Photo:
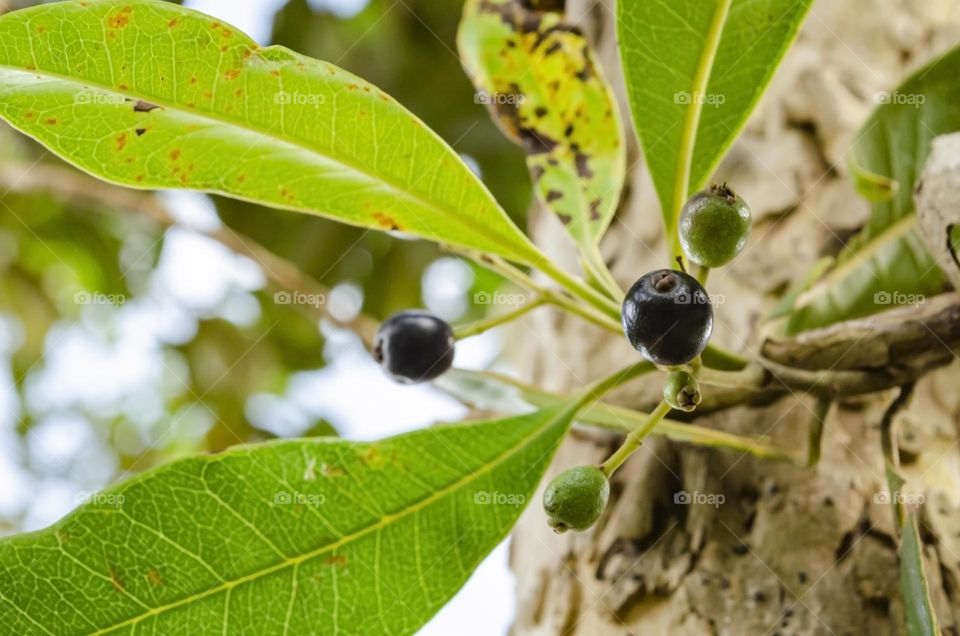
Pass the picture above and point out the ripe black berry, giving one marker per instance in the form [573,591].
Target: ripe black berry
[714,226]
[575,499]
[414,346]
[667,317]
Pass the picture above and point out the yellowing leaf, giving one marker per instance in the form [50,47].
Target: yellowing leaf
[540,79]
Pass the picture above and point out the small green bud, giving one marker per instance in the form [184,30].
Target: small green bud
[714,226]
[681,391]
[576,498]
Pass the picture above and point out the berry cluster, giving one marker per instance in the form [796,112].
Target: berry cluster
[666,316]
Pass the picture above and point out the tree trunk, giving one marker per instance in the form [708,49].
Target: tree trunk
[764,548]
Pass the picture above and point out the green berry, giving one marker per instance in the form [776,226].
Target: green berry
[714,226]
[681,391]
[575,499]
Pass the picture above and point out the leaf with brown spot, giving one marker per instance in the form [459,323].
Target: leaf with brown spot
[545,89]
[334,157]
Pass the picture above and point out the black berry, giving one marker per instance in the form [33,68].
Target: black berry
[575,499]
[414,346]
[667,317]
[714,226]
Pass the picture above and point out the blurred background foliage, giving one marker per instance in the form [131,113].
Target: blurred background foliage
[129,341]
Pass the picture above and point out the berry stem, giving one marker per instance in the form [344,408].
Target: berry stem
[702,274]
[595,267]
[634,439]
[601,318]
[479,326]
[581,290]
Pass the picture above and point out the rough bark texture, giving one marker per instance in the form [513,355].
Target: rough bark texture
[789,550]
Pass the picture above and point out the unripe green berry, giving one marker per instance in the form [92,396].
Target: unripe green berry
[681,391]
[575,498]
[714,226]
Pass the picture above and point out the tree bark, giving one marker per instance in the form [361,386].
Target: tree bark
[763,548]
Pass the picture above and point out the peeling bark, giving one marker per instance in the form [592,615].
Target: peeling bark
[787,550]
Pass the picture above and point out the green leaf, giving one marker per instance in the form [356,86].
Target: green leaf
[694,72]
[540,79]
[887,263]
[297,536]
[921,619]
[150,95]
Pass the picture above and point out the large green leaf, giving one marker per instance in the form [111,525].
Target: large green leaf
[540,79]
[694,71]
[887,263]
[921,619]
[298,537]
[148,94]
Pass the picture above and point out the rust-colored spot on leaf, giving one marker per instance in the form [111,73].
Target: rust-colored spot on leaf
[29,114]
[172,23]
[208,94]
[331,471]
[139,178]
[144,107]
[175,154]
[385,221]
[338,560]
[238,92]
[193,79]
[232,74]
[241,178]
[41,29]
[52,121]
[154,578]
[275,73]
[120,19]
[122,87]
[121,141]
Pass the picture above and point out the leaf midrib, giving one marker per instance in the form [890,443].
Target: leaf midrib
[688,135]
[467,220]
[384,521]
